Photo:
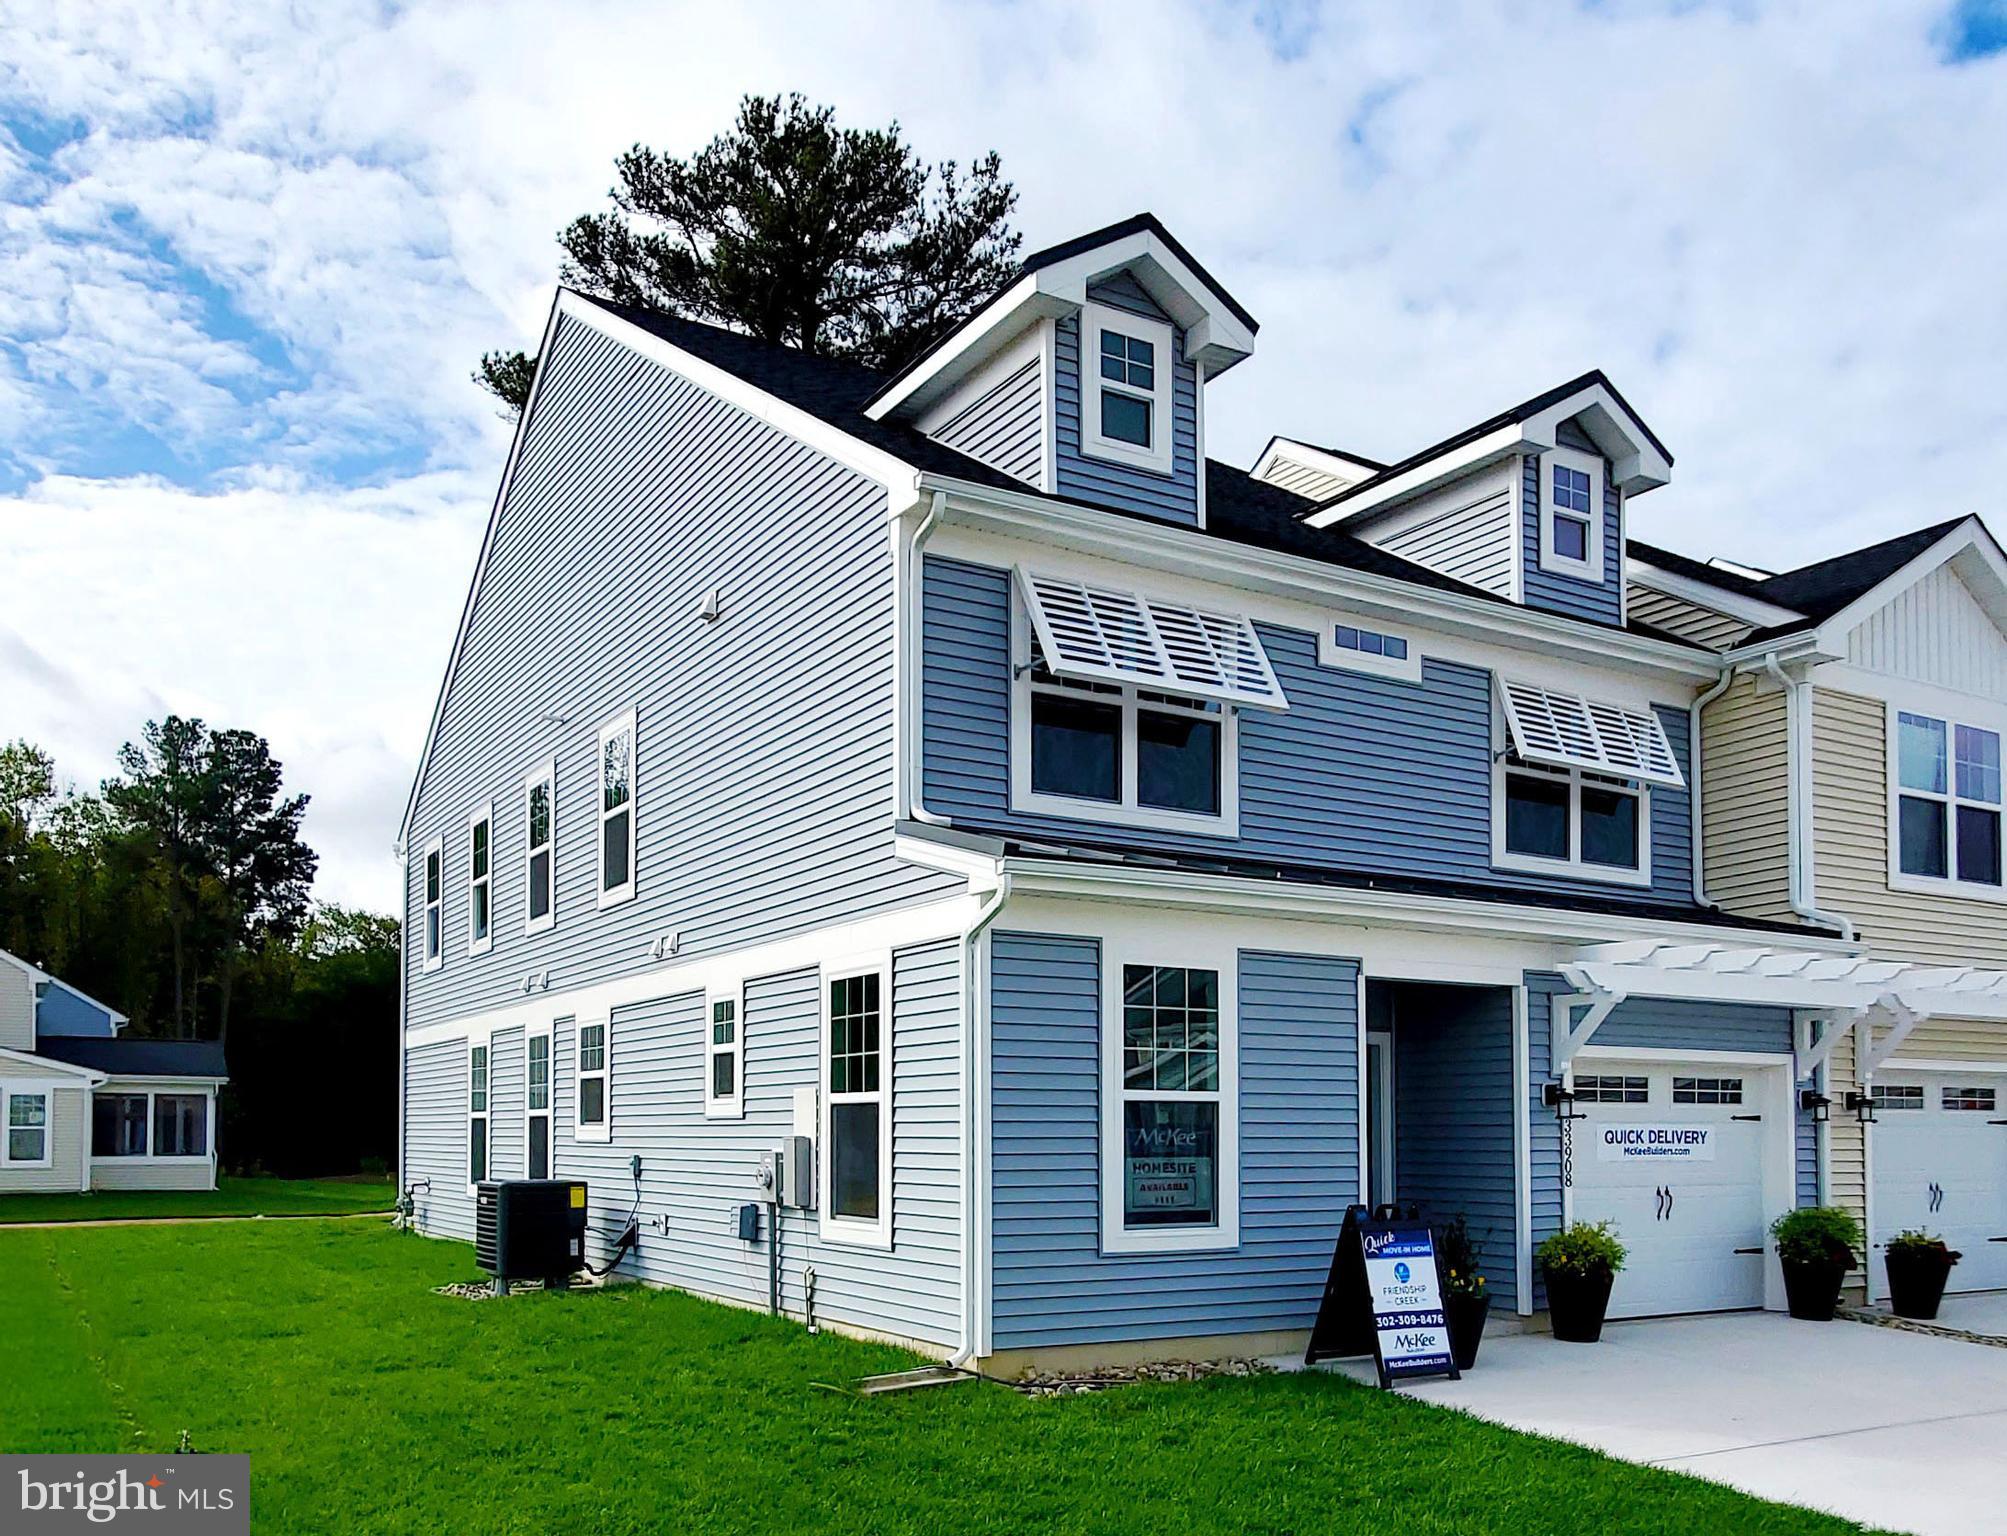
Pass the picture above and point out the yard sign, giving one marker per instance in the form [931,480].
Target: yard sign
[1384,1297]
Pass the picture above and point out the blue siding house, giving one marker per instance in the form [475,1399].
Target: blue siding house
[1113,863]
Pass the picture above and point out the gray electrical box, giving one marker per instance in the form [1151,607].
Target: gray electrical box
[786,1175]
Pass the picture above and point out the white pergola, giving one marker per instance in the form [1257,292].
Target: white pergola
[1848,992]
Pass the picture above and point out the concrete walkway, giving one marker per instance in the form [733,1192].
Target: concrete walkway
[1897,1430]
[1981,1312]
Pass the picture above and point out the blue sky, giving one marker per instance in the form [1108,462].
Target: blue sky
[249,253]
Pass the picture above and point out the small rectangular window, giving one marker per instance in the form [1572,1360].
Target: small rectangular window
[857,1171]
[480,882]
[435,858]
[616,810]
[28,1126]
[1707,1090]
[477,1114]
[1980,1100]
[540,849]
[724,1088]
[591,1097]
[1898,1096]
[537,1127]
[1607,1089]
[180,1125]
[119,1123]
[1358,648]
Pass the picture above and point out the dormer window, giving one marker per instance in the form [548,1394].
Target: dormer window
[1126,388]
[1571,529]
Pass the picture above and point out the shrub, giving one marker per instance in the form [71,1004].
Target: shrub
[1458,1254]
[1819,1234]
[1587,1248]
[1917,1243]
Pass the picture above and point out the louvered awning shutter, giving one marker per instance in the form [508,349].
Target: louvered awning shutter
[1124,637]
[1570,731]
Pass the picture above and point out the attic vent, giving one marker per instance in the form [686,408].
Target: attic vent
[1569,731]
[1122,637]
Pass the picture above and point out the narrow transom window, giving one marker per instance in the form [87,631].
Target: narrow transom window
[1608,1089]
[480,882]
[857,1135]
[1982,1100]
[591,1122]
[724,1092]
[1707,1090]
[1898,1096]
[434,901]
[537,1128]
[1948,805]
[616,810]
[1369,642]
[540,849]
[477,1114]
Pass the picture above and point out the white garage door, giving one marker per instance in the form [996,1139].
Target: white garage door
[1672,1157]
[1940,1156]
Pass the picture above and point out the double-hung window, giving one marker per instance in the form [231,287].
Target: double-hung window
[592,1113]
[480,881]
[26,1127]
[540,848]
[1170,1106]
[477,1113]
[857,1111]
[1571,521]
[616,810]
[537,1123]
[435,859]
[724,1086]
[1947,811]
[1126,374]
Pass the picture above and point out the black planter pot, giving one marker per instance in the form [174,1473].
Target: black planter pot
[1916,1282]
[1465,1316]
[1576,1304]
[1812,1291]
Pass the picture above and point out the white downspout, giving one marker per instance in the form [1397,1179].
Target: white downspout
[1799,787]
[972,1247]
[912,794]
[1696,816]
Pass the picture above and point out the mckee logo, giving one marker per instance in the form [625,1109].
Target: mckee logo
[164,1495]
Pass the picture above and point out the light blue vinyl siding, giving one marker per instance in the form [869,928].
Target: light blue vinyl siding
[764,759]
[697,1172]
[1299,1126]
[1005,427]
[1173,497]
[1601,601]
[1363,773]
[1453,1118]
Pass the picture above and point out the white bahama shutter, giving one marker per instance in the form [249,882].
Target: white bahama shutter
[1124,637]
[1567,730]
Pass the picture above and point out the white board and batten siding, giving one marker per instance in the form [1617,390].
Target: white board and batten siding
[1934,632]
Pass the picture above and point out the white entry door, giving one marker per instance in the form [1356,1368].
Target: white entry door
[1940,1160]
[1672,1157]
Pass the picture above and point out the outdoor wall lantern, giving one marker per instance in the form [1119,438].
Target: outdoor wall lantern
[1820,1106]
[1863,1106]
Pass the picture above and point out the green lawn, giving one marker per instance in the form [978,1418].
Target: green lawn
[369,1404]
[231,1197]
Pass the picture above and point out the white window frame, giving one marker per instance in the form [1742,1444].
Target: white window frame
[849,1230]
[1116,1236]
[732,1106]
[1127,811]
[169,1090]
[1947,884]
[544,773]
[1574,867]
[1331,654]
[46,1092]
[548,1034]
[432,926]
[622,722]
[1158,458]
[481,943]
[603,1131]
[1551,559]
[484,1050]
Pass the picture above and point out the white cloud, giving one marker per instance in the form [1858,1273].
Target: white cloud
[1777,227]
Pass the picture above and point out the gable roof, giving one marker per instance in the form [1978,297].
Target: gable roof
[1136,224]
[127,1057]
[1823,588]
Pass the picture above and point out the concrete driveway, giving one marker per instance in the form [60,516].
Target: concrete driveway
[1900,1431]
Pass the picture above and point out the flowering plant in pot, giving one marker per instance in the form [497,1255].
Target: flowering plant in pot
[1580,1264]
[1919,1263]
[1818,1245]
[1466,1302]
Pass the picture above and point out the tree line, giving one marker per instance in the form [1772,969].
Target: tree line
[179,892]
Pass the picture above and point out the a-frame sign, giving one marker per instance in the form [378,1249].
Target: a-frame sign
[1384,1297]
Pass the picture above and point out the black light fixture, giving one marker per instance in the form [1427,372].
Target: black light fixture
[1863,1106]
[1820,1106]
[1559,1098]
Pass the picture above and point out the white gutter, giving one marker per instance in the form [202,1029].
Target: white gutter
[972,1246]
[1696,824]
[1799,792]
[912,619]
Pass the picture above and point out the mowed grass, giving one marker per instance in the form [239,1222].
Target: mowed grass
[369,1404]
[231,1197]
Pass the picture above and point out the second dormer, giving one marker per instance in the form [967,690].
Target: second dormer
[1529,504]
[1086,377]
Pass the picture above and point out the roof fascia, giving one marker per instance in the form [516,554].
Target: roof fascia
[1969,539]
[1425,476]
[49,1063]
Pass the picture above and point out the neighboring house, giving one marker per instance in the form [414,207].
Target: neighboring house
[82,1107]
[1117,862]
[1853,776]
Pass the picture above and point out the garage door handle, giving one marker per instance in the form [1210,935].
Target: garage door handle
[1997,1239]
[1757,1118]
[1749,1250]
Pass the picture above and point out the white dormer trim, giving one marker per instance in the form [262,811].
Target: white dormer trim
[1215,337]
[1701,594]
[1289,450]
